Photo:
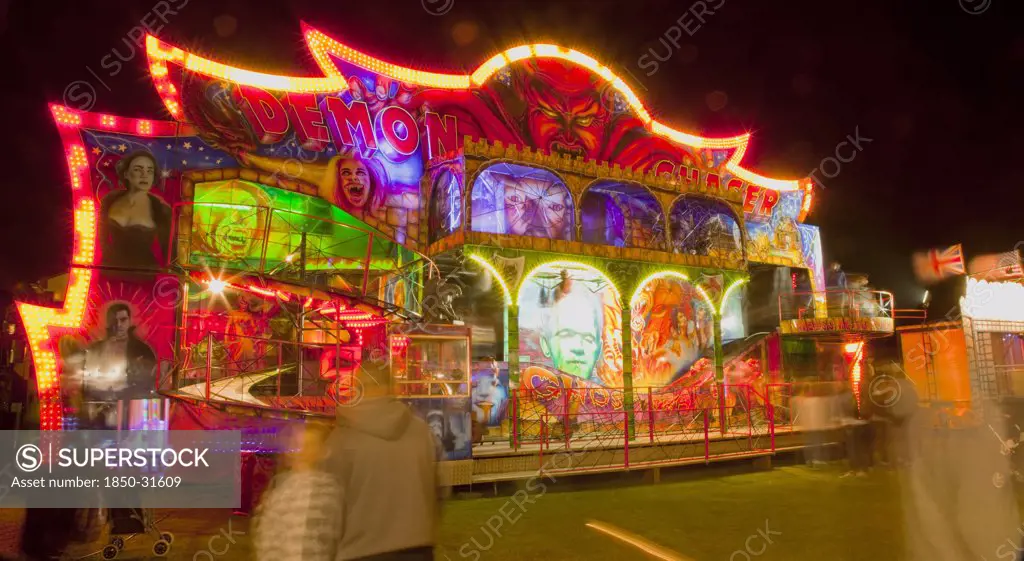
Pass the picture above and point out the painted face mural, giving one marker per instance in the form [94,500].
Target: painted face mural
[230,219]
[114,356]
[672,328]
[522,201]
[567,322]
[490,393]
[565,111]
[354,181]
[572,335]
[134,225]
[141,173]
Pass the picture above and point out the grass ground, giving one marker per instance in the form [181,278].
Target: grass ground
[806,514]
[811,514]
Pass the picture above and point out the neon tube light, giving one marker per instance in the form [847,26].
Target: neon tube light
[494,273]
[659,275]
[725,297]
[323,48]
[570,265]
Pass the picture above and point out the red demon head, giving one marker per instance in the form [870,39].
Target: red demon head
[565,111]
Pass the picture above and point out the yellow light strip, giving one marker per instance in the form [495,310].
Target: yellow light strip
[322,46]
[734,168]
[37,321]
[494,272]
[565,264]
[704,294]
[659,275]
[648,547]
[725,297]
[160,51]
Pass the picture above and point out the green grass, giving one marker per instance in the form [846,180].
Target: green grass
[819,515]
[704,515]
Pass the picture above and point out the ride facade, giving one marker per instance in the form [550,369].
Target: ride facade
[539,261]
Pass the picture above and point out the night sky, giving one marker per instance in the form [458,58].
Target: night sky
[937,90]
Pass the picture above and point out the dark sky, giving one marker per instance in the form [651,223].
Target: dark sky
[937,90]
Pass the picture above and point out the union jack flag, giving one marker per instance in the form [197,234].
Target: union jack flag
[936,264]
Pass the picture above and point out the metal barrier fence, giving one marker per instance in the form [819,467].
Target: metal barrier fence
[673,436]
[825,304]
[581,417]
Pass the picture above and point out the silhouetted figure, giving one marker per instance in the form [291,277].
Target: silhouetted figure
[385,460]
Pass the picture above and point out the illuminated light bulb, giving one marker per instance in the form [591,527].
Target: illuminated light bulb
[552,51]
[676,136]
[108,120]
[145,127]
[518,53]
[217,286]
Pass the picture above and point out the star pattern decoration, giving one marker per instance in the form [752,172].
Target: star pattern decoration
[187,145]
[96,150]
[122,147]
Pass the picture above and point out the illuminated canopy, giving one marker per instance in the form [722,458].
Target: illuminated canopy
[997,301]
[324,49]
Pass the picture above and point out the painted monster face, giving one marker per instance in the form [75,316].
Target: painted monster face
[234,229]
[355,182]
[572,338]
[537,207]
[566,115]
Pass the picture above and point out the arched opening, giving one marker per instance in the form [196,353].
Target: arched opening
[445,202]
[621,214]
[672,328]
[570,325]
[523,201]
[705,227]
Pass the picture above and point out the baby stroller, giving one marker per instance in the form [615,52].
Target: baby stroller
[127,523]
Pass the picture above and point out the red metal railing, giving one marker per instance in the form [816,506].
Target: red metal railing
[615,448]
[560,417]
[840,303]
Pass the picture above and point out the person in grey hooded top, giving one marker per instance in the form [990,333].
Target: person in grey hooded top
[385,461]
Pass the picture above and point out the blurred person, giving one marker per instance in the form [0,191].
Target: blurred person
[812,420]
[299,515]
[958,500]
[385,459]
[897,402]
[857,433]
[837,287]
